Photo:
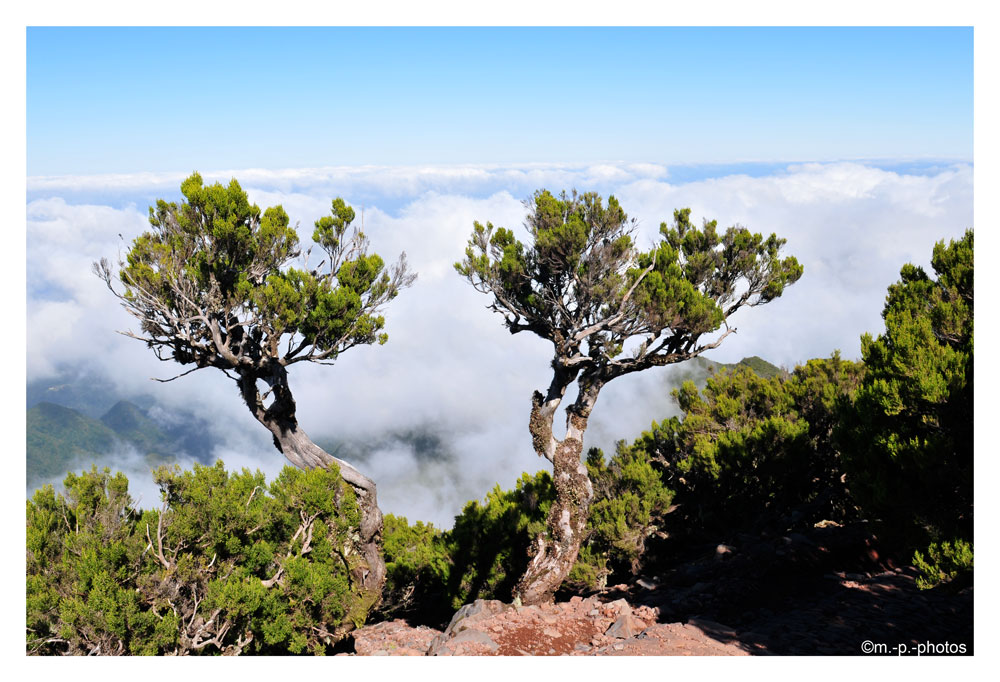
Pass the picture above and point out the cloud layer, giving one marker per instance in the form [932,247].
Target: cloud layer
[449,363]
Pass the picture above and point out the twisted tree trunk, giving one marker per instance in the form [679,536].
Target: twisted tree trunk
[554,551]
[279,418]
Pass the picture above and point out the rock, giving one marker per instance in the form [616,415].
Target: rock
[724,551]
[457,644]
[476,636]
[626,626]
[395,638]
[551,632]
[619,606]
[477,610]
[466,631]
[467,616]
[673,639]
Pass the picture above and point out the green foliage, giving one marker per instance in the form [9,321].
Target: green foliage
[572,236]
[630,499]
[747,443]
[911,426]
[417,566]
[580,277]
[213,285]
[489,542]
[230,564]
[486,551]
[945,562]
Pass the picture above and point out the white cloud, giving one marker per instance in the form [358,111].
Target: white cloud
[851,226]
[386,182]
[449,362]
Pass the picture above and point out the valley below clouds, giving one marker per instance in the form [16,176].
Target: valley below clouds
[439,414]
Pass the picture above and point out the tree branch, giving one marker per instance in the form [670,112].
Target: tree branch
[182,374]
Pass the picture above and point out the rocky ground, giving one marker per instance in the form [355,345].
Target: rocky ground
[761,595]
[579,627]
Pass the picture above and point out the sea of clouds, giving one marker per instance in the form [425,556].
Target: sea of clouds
[449,365]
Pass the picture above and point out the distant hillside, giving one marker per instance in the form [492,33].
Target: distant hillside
[58,438]
[62,439]
[130,422]
[89,395]
[759,366]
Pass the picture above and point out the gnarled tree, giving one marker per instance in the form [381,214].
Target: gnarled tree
[609,309]
[212,286]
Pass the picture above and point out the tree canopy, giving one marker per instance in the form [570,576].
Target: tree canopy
[582,283]
[608,309]
[212,283]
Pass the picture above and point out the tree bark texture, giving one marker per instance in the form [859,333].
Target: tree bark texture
[279,418]
[554,551]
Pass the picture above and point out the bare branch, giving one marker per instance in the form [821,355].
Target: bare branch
[163,381]
[252,493]
[272,581]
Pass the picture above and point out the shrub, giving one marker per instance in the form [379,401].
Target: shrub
[417,567]
[945,562]
[489,542]
[229,564]
[910,432]
[748,444]
[486,552]
[629,501]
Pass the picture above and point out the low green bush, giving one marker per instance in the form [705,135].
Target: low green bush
[945,562]
[630,498]
[228,565]
[417,566]
[748,445]
[910,434]
[489,542]
[486,552]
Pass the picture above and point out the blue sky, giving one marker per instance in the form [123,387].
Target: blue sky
[854,144]
[122,100]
